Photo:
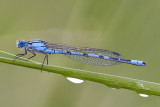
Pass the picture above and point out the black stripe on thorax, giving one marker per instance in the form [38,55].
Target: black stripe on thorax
[30,42]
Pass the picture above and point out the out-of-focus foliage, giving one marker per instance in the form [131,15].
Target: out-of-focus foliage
[130,27]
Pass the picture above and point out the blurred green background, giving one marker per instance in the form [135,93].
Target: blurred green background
[129,27]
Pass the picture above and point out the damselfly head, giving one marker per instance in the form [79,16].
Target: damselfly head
[21,44]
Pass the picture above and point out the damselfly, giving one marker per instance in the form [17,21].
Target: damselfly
[86,55]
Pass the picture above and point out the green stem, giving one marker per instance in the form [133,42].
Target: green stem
[138,86]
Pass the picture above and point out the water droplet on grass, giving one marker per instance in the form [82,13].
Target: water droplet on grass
[75,80]
[144,95]
[140,85]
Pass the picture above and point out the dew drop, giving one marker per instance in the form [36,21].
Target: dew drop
[140,85]
[144,95]
[75,80]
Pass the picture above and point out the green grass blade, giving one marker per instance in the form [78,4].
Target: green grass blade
[139,86]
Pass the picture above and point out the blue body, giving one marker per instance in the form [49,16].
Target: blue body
[85,55]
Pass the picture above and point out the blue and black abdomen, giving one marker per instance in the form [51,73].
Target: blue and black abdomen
[102,60]
[92,56]
[85,55]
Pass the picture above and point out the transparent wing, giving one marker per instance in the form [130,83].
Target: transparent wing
[85,59]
